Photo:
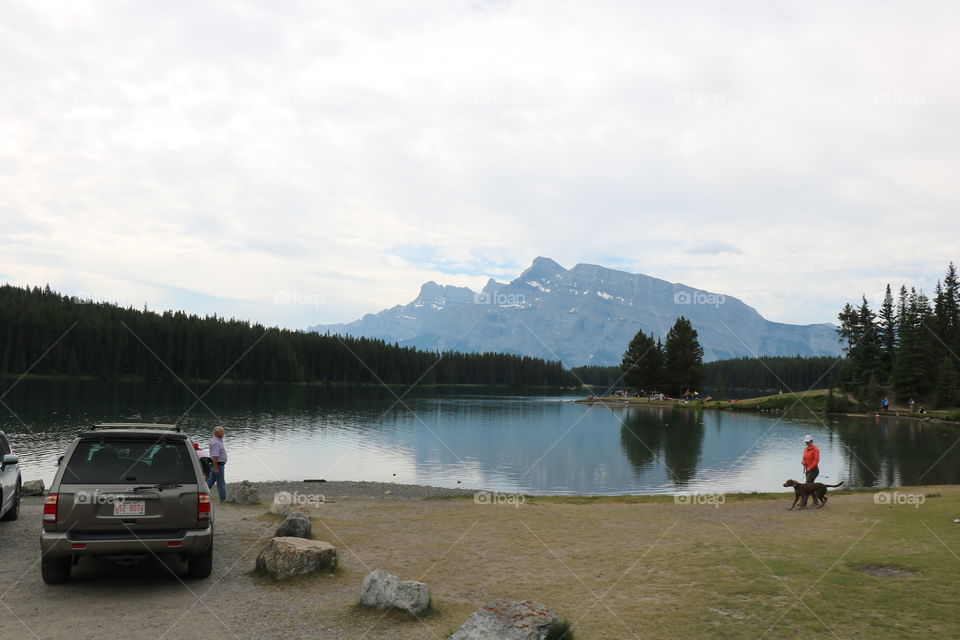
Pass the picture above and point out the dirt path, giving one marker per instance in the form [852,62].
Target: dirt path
[617,569]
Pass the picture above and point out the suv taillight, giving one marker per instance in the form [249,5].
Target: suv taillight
[203,507]
[50,508]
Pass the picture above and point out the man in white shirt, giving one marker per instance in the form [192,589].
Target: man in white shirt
[218,458]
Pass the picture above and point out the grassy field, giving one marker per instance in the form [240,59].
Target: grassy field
[646,567]
[619,567]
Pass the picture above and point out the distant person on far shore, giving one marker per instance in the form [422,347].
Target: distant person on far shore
[811,459]
[218,458]
[884,404]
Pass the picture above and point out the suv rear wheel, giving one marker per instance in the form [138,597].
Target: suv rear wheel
[14,511]
[55,570]
[200,566]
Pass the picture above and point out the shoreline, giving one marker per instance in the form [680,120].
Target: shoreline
[371,490]
[756,405]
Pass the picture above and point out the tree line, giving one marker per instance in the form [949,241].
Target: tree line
[908,346]
[45,332]
[671,366]
[741,377]
[745,377]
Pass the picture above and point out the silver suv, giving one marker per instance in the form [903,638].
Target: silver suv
[126,491]
[9,481]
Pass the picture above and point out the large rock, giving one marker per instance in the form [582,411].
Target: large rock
[285,503]
[284,558]
[296,525]
[383,590]
[507,620]
[32,488]
[243,493]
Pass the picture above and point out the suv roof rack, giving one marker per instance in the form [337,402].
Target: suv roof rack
[135,425]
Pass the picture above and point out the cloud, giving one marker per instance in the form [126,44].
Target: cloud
[793,156]
[714,248]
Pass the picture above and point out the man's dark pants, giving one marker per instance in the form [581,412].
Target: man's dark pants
[219,479]
[812,474]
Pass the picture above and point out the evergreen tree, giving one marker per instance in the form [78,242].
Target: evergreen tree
[751,376]
[951,304]
[642,362]
[683,358]
[948,385]
[869,396]
[862,343]
[917,348]
[902,306]
[887,336]
[109,341]
[720,391]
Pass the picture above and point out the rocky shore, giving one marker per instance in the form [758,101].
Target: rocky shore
[342,489]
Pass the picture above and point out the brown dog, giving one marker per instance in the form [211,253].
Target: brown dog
[805,490]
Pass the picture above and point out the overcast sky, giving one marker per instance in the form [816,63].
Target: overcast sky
[298,163]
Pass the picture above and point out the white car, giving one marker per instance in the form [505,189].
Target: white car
[9,481]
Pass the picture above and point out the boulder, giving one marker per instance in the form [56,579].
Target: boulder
[383,590]
[32,488]
[284,558]
[508,620]
[296,525]
[285,502]
[243,493]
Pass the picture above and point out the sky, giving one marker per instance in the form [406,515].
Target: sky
[298,163]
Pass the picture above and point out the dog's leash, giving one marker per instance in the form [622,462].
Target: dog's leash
[805,473]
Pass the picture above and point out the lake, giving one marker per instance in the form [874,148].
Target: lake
[489,439]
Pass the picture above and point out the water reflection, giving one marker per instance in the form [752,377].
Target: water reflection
[658,437]
[891,452]
[483,438]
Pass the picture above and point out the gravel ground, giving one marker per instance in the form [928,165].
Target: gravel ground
[155,599]
[618,567]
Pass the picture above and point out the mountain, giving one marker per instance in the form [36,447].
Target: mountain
[583,315]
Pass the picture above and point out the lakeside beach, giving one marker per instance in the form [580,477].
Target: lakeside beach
[614,566]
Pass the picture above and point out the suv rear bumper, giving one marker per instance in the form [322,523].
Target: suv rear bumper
[65,543]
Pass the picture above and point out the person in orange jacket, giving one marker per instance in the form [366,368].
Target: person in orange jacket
[811,459]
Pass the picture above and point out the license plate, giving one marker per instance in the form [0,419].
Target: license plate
[130,508]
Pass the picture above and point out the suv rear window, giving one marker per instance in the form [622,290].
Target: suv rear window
[121,461]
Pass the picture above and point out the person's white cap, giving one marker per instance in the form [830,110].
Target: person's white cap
[807,439]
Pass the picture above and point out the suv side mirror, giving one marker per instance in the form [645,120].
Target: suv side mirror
[9,459]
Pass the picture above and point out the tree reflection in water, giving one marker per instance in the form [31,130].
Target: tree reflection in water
[663,437]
